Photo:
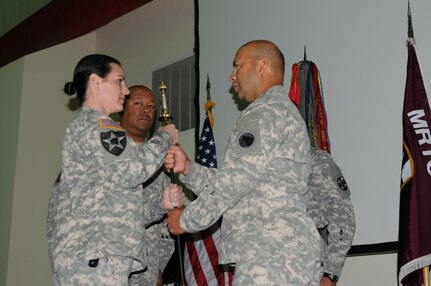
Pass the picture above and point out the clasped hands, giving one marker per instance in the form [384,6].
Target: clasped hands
[176,160]
[173,201]
[173,197]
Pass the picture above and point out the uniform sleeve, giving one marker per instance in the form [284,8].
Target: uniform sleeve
[121,163]
[151,239]
[337,210]
[198,176]
[166,246]
[250,149]
[153,190]
[159,244]
[52,213]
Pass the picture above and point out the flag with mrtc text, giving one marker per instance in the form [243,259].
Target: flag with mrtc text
[415,196]
[201,266]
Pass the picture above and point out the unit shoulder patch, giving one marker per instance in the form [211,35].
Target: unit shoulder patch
[113,141]
[342,184]
[246,139]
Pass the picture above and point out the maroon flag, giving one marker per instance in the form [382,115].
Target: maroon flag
[415,197]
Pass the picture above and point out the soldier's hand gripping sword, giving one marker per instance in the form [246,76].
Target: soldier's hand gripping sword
[165,119]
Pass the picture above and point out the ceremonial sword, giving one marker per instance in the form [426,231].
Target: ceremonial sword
[165,119]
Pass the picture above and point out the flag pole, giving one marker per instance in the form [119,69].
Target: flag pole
[305,53]
[426,275]
[201,251]
[209,105]
[410,24]
[410,35]
[165,119]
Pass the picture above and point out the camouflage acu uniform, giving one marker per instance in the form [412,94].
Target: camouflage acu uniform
[97,210]
[331,209]
[158,244]
[261,190]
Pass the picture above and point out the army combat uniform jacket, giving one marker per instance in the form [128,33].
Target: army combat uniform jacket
[96,209]
[261,190]
[331,209]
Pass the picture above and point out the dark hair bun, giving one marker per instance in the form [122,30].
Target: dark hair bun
[69,88]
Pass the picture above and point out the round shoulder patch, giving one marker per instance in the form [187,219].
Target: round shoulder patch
[246,139]
[342,183]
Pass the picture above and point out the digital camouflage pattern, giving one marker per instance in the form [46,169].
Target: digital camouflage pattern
[110,271]
[261,190]
[331,209]
[96,210]
[159,249]
[158,243]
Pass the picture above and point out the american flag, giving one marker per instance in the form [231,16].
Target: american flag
[207,150]
[201,266]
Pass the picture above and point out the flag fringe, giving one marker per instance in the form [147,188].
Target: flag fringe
[412,266]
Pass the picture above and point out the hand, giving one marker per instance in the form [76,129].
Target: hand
[177,160]
[173,197]
[171,130]
[325,281]
[173,221]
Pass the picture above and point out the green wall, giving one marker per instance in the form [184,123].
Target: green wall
[10,100]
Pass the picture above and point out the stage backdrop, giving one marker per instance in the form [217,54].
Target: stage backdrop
[362,59]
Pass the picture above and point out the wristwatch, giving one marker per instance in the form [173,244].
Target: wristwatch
[333,277]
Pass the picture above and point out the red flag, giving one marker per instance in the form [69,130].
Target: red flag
[201,254]
[415,196]
[295,92]
[307,93]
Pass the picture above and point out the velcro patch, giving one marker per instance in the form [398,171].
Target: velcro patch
[109,123]
[113,141]
[342,183]
[246,139]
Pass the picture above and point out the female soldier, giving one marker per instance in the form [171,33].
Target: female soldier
[95,223]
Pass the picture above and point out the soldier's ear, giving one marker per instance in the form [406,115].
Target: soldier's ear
[262,65]
[94,80]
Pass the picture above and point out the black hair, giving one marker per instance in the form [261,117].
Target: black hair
[95,63]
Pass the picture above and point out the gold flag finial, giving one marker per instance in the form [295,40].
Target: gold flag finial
[209,105]
[165,117]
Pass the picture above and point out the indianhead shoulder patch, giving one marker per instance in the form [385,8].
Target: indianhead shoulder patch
[113,141]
